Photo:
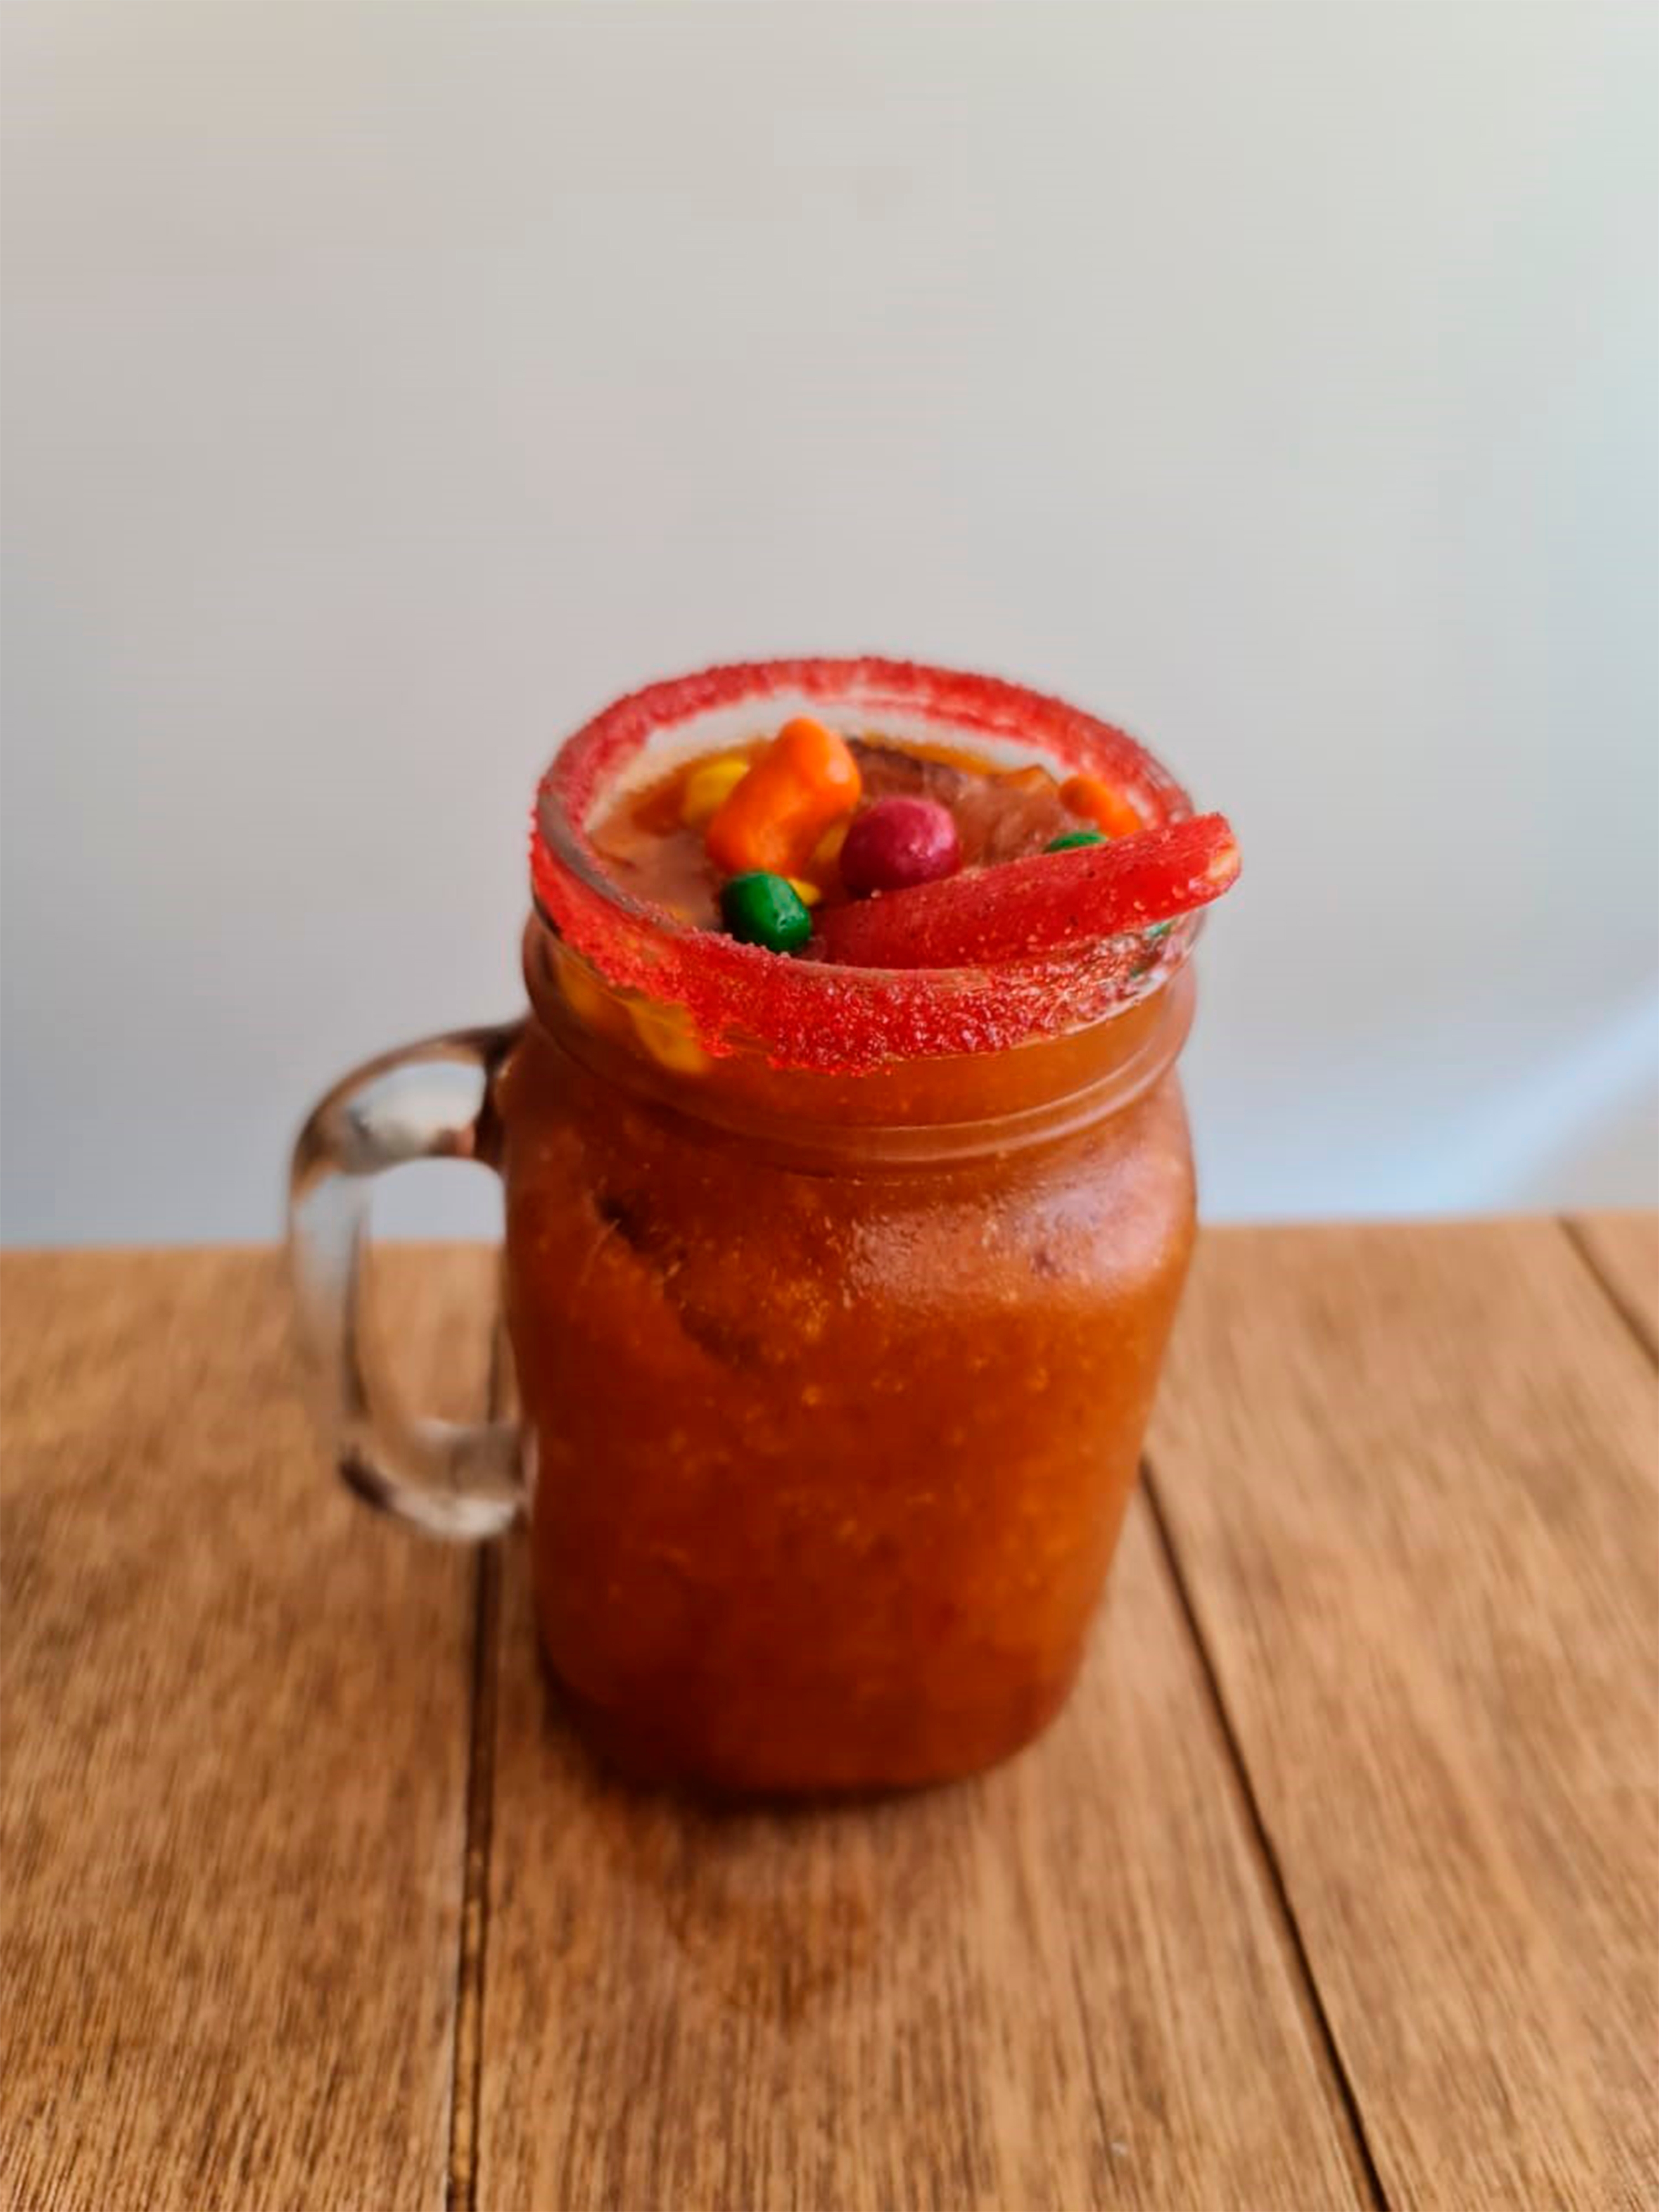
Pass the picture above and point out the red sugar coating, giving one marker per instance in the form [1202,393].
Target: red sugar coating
[807,1013]
[1048,903]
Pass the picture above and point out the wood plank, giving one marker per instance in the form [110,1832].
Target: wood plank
[1410,1476]
[1063,1983]
[1623,1250]
[234,1712]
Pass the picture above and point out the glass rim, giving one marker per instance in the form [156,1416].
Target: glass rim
[811,1014]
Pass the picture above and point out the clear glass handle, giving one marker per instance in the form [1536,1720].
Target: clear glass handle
[429,1102]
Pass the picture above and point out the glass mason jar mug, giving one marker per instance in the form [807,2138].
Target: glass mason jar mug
[836,1297]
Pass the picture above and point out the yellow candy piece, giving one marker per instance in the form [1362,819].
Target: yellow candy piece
[667,1034]
[826,853]
[708,789]
[584,993]
[808,894]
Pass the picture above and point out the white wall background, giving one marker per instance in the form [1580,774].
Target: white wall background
[388,387]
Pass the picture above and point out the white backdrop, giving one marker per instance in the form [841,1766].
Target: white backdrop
[388,387]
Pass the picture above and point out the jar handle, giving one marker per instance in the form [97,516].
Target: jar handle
[432,1101]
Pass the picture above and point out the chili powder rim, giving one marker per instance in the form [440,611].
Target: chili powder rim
[808,1014]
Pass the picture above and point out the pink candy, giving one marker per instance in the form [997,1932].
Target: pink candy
[899,842]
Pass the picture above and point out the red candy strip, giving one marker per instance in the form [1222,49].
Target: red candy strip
[1048,903]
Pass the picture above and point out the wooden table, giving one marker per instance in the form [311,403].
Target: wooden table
[1338,1883]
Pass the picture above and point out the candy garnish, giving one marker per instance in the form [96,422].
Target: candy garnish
[584,993]
[825,857]
[1051,902]
[899,841]
[804,780]
[667,1035]
[807,1013]
[1098,802]
[708,786]
[1072,839]
[761,908]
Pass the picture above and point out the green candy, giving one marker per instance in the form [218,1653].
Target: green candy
[1074,837]
[761,909]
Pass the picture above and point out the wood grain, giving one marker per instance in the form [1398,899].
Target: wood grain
[1408,1480]
[1063,1984]
[1410,1477]
[1623,1252]
[234,1711]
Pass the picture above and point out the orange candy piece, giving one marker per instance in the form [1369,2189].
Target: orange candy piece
[1098,802]
[803,783]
